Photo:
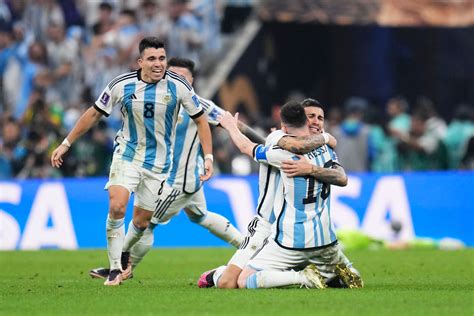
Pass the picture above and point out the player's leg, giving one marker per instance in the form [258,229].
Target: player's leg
[197,212]
[163,213]
[123,179]
[145,204]
[257,231]
[270,267]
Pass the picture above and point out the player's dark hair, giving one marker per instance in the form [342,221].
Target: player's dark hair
[150,42]
[182,63]
[292,114]
[312,102]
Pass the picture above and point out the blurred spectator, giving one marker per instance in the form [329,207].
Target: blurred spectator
[422,149]
[381,149]
[105,20]
[124,37]
[40,14]
[399,118]
[154,20]
[10,136]
[93,153]
[434,124]
[209,14]
[467,161]
[460,130]
[35,75]
[353,136]
[184,39]
[63,62]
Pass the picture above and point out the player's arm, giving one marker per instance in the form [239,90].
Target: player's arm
[213,110]
[230,123]
[250,133]
[333,174]
[85,122]
[304,144]
[204,134]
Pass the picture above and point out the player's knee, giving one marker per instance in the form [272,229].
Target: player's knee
[141,223]
[117,208]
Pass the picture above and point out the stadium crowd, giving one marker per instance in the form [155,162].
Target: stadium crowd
[55,59]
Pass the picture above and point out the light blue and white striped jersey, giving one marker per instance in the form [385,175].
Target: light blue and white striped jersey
[303,210]
[188,157]
[269,182]
[150,112]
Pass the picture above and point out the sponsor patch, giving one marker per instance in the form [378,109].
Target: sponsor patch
[104,99]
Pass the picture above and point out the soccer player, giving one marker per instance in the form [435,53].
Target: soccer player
[150,99]
[269,178]
[303,235]
[183,186]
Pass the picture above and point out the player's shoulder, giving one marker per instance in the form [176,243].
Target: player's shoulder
[123,78]
[179,80]
[274,137]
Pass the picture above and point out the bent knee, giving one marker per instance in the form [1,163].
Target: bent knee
[227,283]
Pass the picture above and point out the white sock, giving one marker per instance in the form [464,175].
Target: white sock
[133,235]
[222,228]
[270,279]
[217,274]
[141,247]
[115,231]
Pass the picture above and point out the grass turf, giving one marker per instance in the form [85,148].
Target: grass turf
[411,282]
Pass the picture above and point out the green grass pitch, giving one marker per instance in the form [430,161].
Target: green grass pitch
[411,282]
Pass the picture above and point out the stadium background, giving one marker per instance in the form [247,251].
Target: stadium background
[353,57]
[254,55]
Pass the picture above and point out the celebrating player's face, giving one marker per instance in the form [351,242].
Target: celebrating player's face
[315,117]
[182,71]
[153,64]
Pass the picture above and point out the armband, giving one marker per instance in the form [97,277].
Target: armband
[66,143]
[209,156]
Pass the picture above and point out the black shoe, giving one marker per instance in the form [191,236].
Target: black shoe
[99,273]
[115,278]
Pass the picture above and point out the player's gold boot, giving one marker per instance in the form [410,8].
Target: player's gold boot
[313,275]
[350,278]
[114,278]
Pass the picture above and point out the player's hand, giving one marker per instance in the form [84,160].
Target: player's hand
[208,170]
[228,121]
[332,141]
[294,168]
[57,156]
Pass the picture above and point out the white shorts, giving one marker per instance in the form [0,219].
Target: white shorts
[273,257]
[172,201]
[258,230]
[144,183]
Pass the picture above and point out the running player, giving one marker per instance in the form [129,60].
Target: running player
[150,100]
[303,235]
[186,188]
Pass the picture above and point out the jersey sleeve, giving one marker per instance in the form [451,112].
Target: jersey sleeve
[274,137]
[189,99]
[109,97]
[272,155]
[212,110]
